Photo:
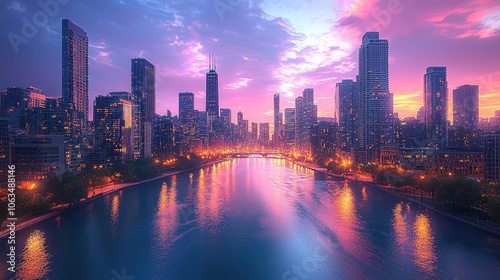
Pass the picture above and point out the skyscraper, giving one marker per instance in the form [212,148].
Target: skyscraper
[225,114]
[289,134]
[306,113]
[308,95]
[254,131]
[466,106]
[113,128]
[186,103]
[347,108]
[436,106]
[264,133]
[212,91]
[144,97]
[75,88]
[75,69]
[376,108]
[277,120]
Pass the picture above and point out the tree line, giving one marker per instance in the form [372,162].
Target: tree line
[455,193]
[70,188]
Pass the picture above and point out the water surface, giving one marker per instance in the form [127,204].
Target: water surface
[254,218]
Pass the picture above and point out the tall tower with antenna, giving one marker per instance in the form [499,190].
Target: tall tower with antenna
[212,91]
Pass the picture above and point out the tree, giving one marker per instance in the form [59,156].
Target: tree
[334,167]
[391,177]
[371,169]
[460,192]
[67,189]
[31,201]
[493,208]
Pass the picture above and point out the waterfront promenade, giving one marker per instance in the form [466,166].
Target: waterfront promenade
[30,220]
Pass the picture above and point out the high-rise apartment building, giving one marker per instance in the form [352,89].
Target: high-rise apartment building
[143,82]
[75,90]
[375,99]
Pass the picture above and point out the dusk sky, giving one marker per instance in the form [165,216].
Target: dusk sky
[262,47]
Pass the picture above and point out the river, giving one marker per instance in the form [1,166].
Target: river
[254,218]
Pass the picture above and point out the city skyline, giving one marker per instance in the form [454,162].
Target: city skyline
[246,72]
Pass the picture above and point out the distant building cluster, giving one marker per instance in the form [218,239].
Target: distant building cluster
[45,136]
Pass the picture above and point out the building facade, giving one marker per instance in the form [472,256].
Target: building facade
[347,113]
[436,106]
[466,107]
[113,129]
[212,92]
[375,99]
[143,83]
[492,157]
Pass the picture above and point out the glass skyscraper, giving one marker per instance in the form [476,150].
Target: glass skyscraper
[347,113]
[436,106]
[144,98]
[186,103]
[277,119]
[212,92]
[466,106]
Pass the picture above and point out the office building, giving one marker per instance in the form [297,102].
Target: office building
[113,129]
[347,113]
[186,103]
[264,133]
[289,131]
[37,157]
[277,119]
[254,131]
[306,113]
[436,106]
[212,91]
[466,107]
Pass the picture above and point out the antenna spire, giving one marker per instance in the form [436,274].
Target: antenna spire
[211,61]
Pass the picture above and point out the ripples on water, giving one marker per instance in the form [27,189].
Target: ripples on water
[255,218]
[35,260]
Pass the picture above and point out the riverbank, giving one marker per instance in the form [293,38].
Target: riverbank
[93,194]
[493,229]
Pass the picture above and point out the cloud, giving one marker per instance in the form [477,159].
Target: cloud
[262,47]
[17,6]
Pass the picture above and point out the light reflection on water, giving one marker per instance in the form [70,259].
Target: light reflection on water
[425,257]
[255,218]
[400,227]
[35,260]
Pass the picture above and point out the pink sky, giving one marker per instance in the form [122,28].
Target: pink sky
[264,47]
